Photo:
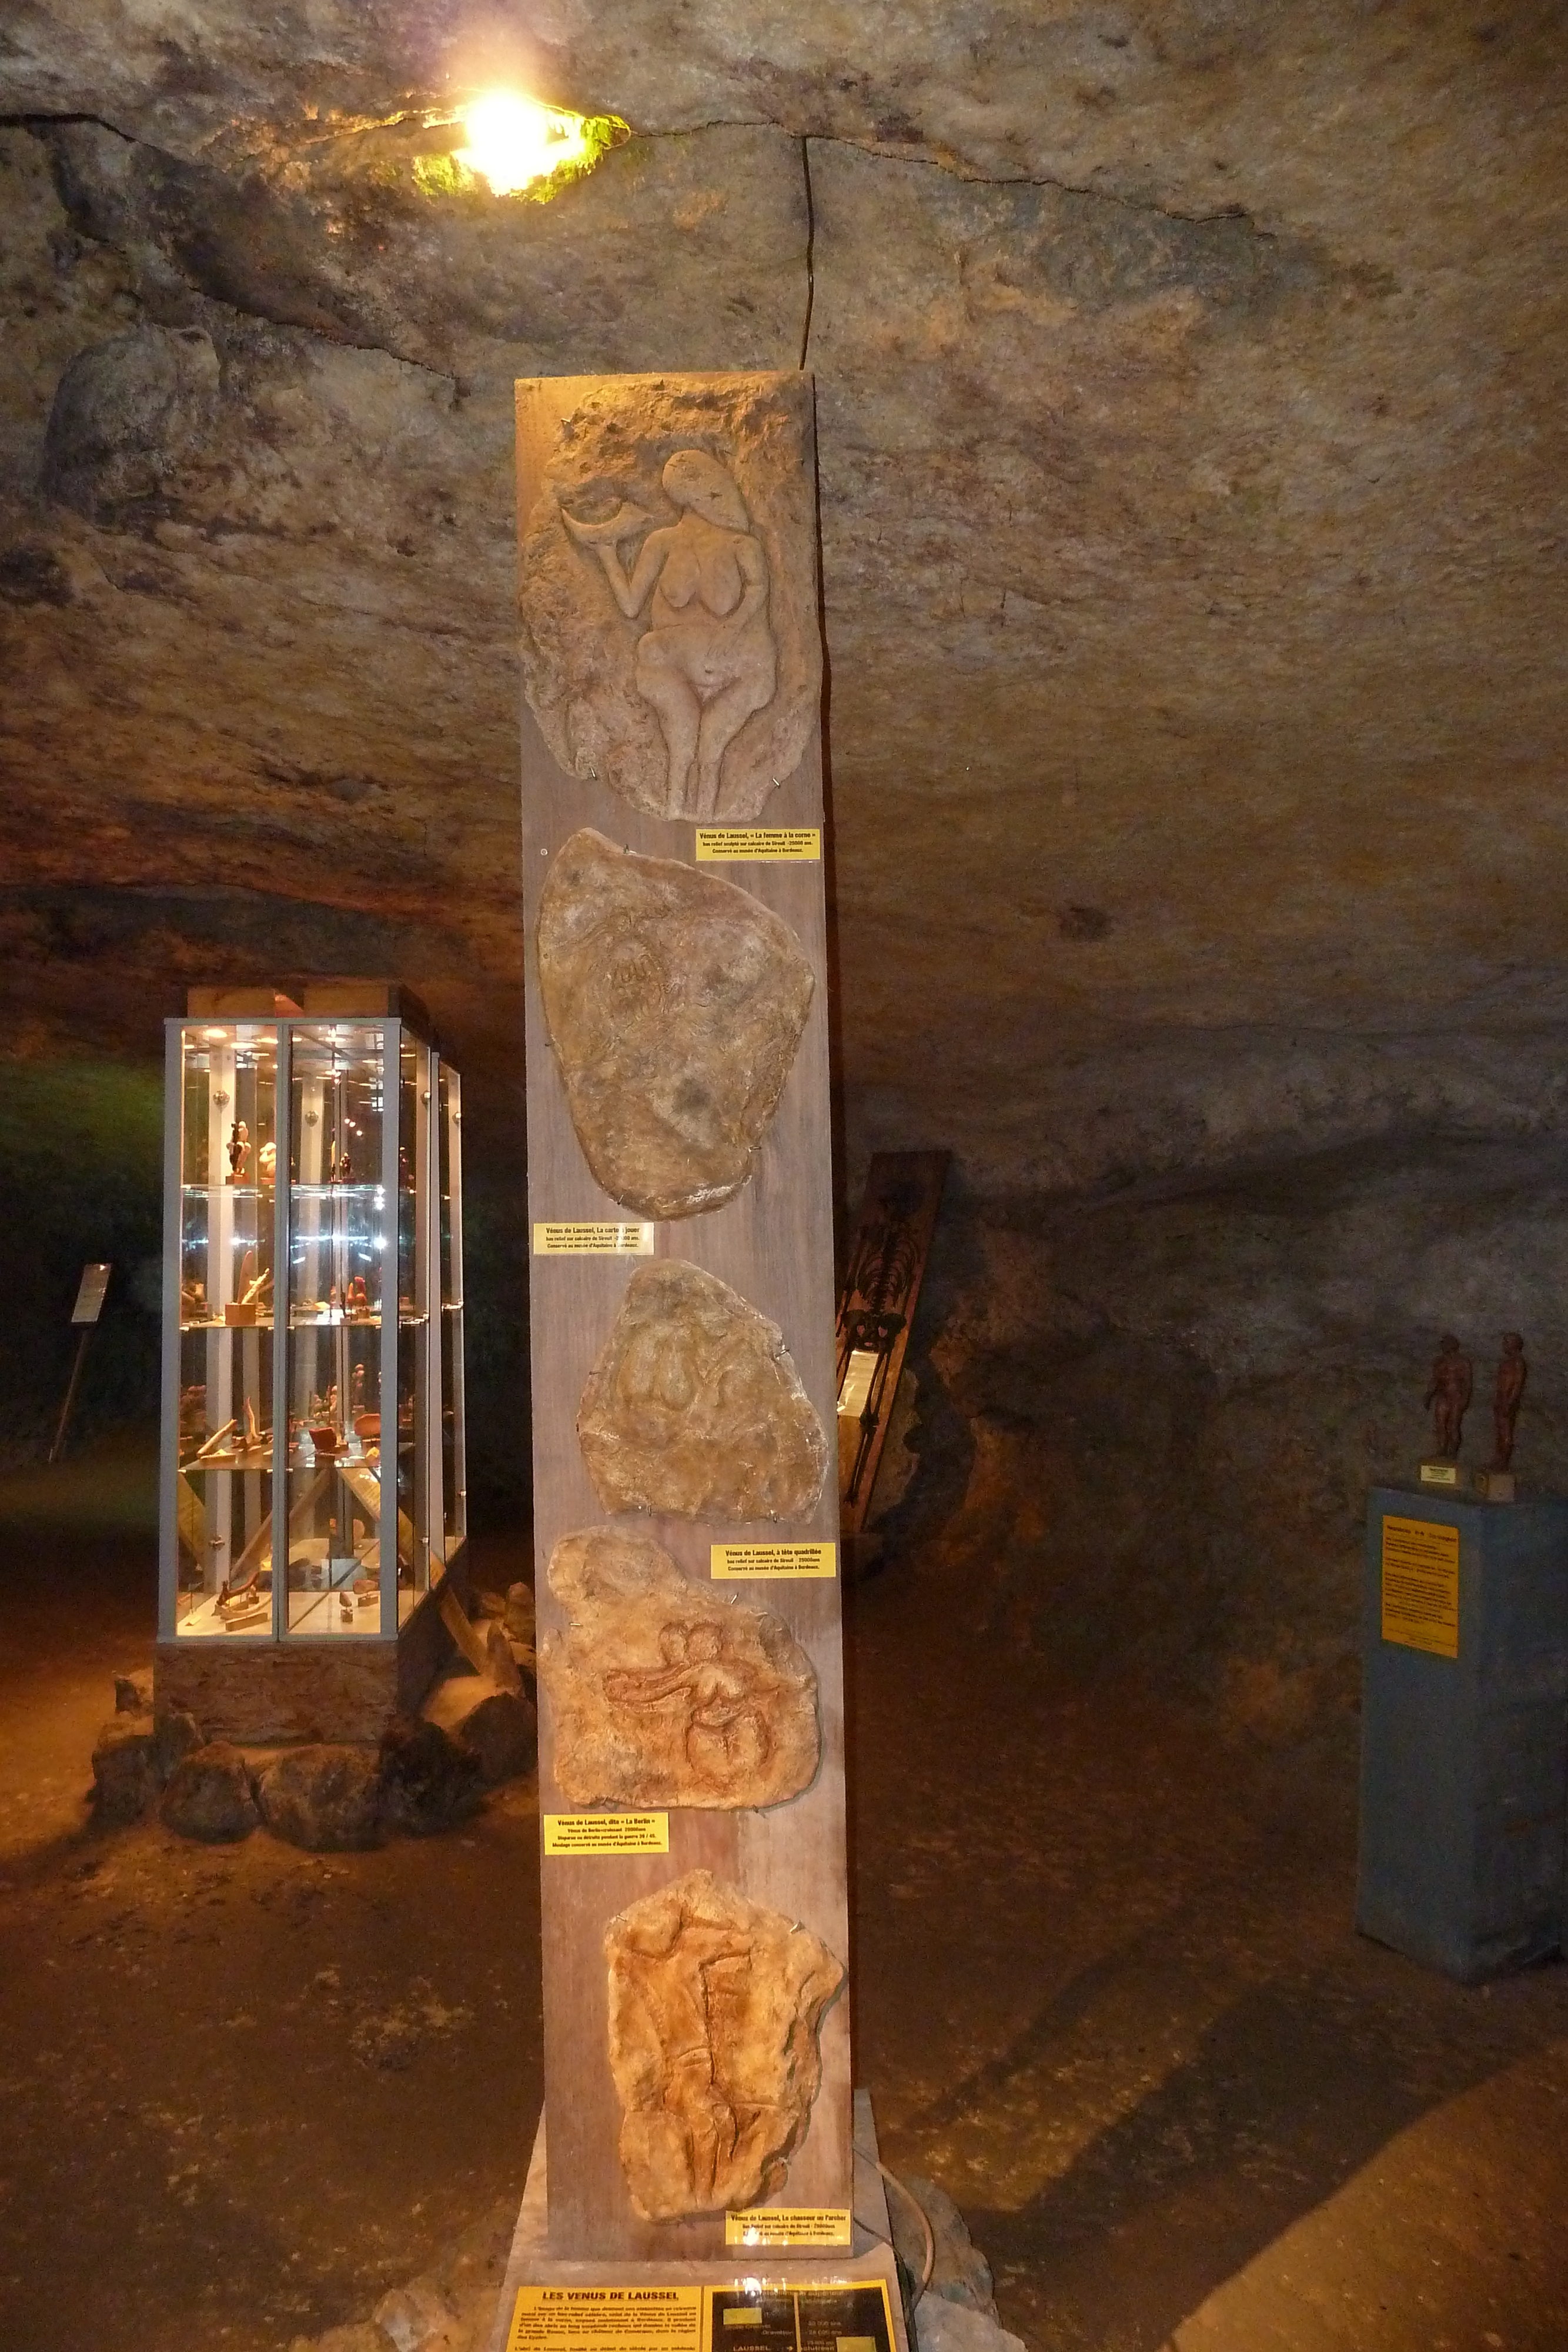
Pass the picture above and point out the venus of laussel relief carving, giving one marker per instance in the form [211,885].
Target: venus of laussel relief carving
[664,1692]
[675,1005]
[715,2007]
[706,659]
[670,639]
[694,1406]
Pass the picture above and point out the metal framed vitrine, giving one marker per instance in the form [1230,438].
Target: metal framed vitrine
[313,1467]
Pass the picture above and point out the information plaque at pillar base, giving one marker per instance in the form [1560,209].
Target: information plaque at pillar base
[1464,1773]
[753,2299]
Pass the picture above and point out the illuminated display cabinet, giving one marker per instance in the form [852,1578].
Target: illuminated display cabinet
[312,1359]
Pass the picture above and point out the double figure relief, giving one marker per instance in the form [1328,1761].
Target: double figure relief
[671,653]
[663,1693]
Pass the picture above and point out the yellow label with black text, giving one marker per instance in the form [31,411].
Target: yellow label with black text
[567,1833]
[744,845]
[1421,1585]
[730,1562]
[788,2225]
[593,1240]
[606,2319]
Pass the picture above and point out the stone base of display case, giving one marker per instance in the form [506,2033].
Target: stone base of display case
[333,1689]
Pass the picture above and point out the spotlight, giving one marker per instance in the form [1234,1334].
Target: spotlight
[513,140]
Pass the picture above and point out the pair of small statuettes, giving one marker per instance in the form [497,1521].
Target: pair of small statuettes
[1453,1382]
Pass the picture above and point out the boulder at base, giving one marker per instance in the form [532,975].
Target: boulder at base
[209,1795]
[324,1798]
[124,1768]
[429,1784]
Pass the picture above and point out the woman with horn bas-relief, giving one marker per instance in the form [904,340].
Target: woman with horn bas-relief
[707,659]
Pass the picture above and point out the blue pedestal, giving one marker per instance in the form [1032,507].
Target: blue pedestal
[1464,1758]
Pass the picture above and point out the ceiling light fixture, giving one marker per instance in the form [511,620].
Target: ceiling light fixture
[517,145]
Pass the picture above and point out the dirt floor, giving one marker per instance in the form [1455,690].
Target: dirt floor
[1108,1995]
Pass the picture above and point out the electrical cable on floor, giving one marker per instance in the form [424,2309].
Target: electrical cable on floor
[892,2180]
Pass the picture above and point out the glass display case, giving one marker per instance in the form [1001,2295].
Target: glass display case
[313,1335]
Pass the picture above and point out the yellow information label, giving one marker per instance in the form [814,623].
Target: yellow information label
[593,1240]
[606,2319]
[728,1562]
[1421,1586]
[1439,1474]
[607,1833]
[743,845]
[787,2225]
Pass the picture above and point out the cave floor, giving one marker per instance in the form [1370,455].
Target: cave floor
[1108,1996]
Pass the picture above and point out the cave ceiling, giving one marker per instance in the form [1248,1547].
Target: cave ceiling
[1193,481]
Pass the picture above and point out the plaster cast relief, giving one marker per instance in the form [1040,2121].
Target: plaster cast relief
[676,1004]
[665,1694]
[670,637]
[714,2006]
[695,1406]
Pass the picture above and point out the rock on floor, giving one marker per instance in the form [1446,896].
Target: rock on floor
[209,1795]
[324,1798]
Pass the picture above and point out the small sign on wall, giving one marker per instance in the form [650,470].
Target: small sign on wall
[90,1294]
[1421,1585]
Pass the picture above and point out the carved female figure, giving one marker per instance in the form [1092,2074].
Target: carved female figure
[707,659]
[726,1732]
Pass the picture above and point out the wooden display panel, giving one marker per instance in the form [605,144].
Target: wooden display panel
[773,1244]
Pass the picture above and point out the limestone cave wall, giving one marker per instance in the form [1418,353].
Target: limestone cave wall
[1188,382]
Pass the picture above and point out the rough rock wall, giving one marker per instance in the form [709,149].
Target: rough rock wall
[1192,499]
[1192,502]
[1148,1418]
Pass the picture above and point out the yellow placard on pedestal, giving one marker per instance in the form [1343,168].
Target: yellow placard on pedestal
[593,1240]
[1421,1585]
[729,1562]
[569,1833]
[744,845]
[790,2225]
[606,2319]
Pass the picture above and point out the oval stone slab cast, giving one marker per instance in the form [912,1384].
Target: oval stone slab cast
[714,2004]
[695,1406]
[667,1693]
[675,1005]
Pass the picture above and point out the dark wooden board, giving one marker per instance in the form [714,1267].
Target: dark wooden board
[884,1270]
[773,1242]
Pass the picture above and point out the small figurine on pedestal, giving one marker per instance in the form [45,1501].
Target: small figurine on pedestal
[239,1151]
[1497,1484]
[1453,1382]
[1511,1373]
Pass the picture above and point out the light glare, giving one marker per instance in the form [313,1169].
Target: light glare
[513,140]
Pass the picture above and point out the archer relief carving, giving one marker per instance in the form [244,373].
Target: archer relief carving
[670,635]
[665,1694]
[676,1004]
[695,1406]
[716,2004]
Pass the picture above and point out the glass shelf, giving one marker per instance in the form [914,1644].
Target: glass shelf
[261,1458]
[356,1191]
[234,1192]
[217,1323]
